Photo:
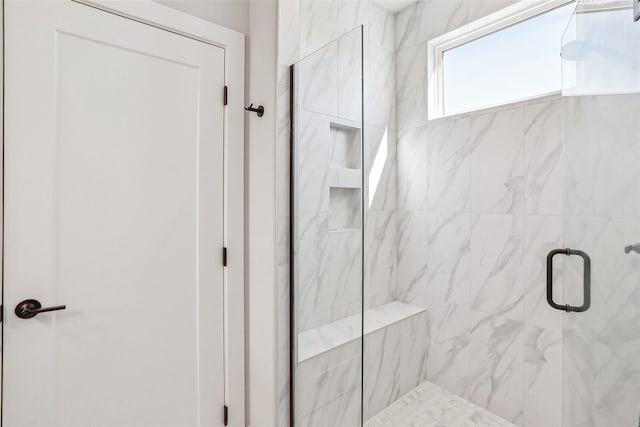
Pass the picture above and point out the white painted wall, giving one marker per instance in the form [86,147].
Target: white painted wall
[232,14]
[262,335]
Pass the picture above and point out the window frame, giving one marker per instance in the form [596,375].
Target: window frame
[504,18]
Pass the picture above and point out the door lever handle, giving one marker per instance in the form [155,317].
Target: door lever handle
[31,308]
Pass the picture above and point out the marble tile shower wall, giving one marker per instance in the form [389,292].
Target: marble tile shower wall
[304,26]
[328,196]
[479,206]
[483,243]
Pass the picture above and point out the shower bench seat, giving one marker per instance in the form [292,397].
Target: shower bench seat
[324,338]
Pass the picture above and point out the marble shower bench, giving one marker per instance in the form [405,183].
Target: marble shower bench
[331,362]
[319,340]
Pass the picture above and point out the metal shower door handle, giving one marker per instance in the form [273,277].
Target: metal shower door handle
[586,280]
[632,248]
[31,308]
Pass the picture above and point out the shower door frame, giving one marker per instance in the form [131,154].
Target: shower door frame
[293,335]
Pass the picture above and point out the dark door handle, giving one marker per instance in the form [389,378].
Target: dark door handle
[632,248]
[586,281]
[30,308]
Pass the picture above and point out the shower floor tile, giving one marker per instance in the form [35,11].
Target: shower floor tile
[429,405]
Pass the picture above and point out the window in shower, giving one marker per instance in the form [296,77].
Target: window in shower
[510,56]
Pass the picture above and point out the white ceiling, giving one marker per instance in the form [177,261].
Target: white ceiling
[394,6]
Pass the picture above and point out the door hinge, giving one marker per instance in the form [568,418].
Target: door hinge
[224,257]
[225,96]
[226,415]
[1,313]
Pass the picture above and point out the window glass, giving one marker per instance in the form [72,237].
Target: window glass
[517,62]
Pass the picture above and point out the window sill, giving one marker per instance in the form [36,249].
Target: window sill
[504,106]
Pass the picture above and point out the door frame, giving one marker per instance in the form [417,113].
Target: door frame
[148,12]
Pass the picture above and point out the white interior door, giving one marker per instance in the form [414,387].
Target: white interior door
[114,193]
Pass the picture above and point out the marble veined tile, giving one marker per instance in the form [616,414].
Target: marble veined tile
[601,346]
[448,257]
[411,87]
[448,363]
[312,163]
[380,69]
[313,273]
[350,76]
[318,81]
[284,143]
[381,34]
[394,361]
[445,15]
[544,160]
[412,169]
[614,274]
[346,257]
[429,405]
[543,377]
[542,234]
[415,351]
[328,281]
[322,379]
[344,411]
[318,24]
[602,155]
[496,376]
[410,28]
[412,251]
[382,368]
[380,94]
[481,8]
[601,382]
[326,337]
[449,180]
[351,14]
[288,25]
[380,248]
[379,317]
[497,282]
[497,162]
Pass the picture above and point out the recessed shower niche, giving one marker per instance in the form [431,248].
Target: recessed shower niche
[345,182]
[344,209]
[345,152]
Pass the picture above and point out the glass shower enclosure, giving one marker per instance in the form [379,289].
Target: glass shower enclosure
[327,158]
[568,343]
[601,214]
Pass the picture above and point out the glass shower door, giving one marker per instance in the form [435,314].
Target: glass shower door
[601,215]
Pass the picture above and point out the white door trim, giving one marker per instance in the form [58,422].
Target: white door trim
[151,13]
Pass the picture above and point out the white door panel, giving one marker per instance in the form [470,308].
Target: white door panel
[114,189]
